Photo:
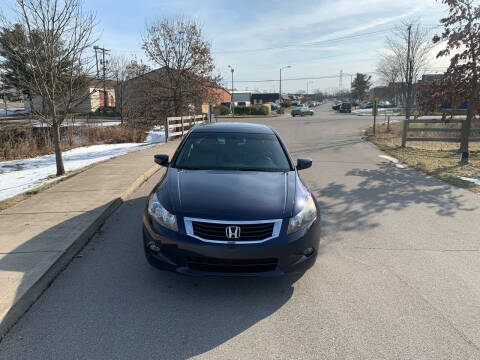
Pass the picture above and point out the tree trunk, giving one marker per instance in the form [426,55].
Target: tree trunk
[466,126]
[58,150]
[465,133]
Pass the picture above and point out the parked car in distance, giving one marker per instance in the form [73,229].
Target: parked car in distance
[366,105]
[345,107]
[274,106]
[199,221]
[336,106]
[301,110]
[384,104]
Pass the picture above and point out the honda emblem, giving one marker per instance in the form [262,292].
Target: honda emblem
[233,232]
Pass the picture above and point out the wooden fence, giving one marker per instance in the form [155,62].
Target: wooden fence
[179,125]
[432,130]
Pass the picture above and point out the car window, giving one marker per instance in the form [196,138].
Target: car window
[232,151]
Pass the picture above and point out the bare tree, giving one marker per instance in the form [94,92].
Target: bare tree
[462,33]
[409,47]
[389,72]
[121,70]
[186,64]
[57,34]
[133,90]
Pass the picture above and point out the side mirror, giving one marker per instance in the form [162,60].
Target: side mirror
[303,163]
[161,159]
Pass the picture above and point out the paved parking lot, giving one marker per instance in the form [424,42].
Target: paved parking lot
[397,276]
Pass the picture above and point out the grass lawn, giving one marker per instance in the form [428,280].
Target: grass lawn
[438,159]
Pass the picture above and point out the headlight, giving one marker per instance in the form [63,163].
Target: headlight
[304,218]
[160,214]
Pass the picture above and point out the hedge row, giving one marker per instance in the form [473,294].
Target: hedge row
[251,110]
[223,110]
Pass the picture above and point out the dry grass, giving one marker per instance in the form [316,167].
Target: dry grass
[25,142]
[438,159]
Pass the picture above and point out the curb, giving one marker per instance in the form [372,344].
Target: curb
[22,305]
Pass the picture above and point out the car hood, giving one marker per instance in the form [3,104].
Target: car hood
[229,195]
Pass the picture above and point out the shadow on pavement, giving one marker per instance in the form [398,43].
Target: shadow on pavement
[109,303]
[387,188]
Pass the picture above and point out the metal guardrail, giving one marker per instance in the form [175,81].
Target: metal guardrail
[179,125]
[406,129]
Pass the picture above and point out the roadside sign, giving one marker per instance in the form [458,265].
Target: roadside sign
[377,99]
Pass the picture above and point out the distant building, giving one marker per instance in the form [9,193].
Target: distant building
[263,98]
[382,92]
[220,95]
[431,78]
[243,96]
[150,95]
[91,98]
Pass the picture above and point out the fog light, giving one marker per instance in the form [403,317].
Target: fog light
[308,251]
[154,247]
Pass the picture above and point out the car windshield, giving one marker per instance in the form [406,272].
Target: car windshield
[232,151]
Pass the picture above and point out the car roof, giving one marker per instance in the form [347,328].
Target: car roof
[234,127]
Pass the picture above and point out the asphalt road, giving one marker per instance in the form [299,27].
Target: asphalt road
[398,276]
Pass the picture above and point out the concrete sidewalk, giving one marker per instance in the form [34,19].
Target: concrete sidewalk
[39,236]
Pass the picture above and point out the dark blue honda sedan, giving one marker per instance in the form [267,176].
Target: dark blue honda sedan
[231,203]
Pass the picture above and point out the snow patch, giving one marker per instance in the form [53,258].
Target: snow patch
[393,160]
[12,111]
[40,124]
[389,158]
[475,181]
[157,134]
[18,176]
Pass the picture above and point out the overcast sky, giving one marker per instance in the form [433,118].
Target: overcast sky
[257,37]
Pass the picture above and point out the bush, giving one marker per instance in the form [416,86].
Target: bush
[106,111]
[251,110]
[222,110]
[21,143]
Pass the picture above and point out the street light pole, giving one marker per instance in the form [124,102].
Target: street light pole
[233,104]
[280,87]
[309,82]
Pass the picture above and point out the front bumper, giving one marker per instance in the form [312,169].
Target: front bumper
[178,252]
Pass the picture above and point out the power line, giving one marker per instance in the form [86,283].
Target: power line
[298,78]
[315,43]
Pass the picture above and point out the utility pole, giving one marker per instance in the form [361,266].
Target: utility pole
[409,76]
[96,60]
[280,86]
[340,81]
[233,104]
[104,68]
[309,82]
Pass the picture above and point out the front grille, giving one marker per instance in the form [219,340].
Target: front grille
[216,231]
[231,265]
